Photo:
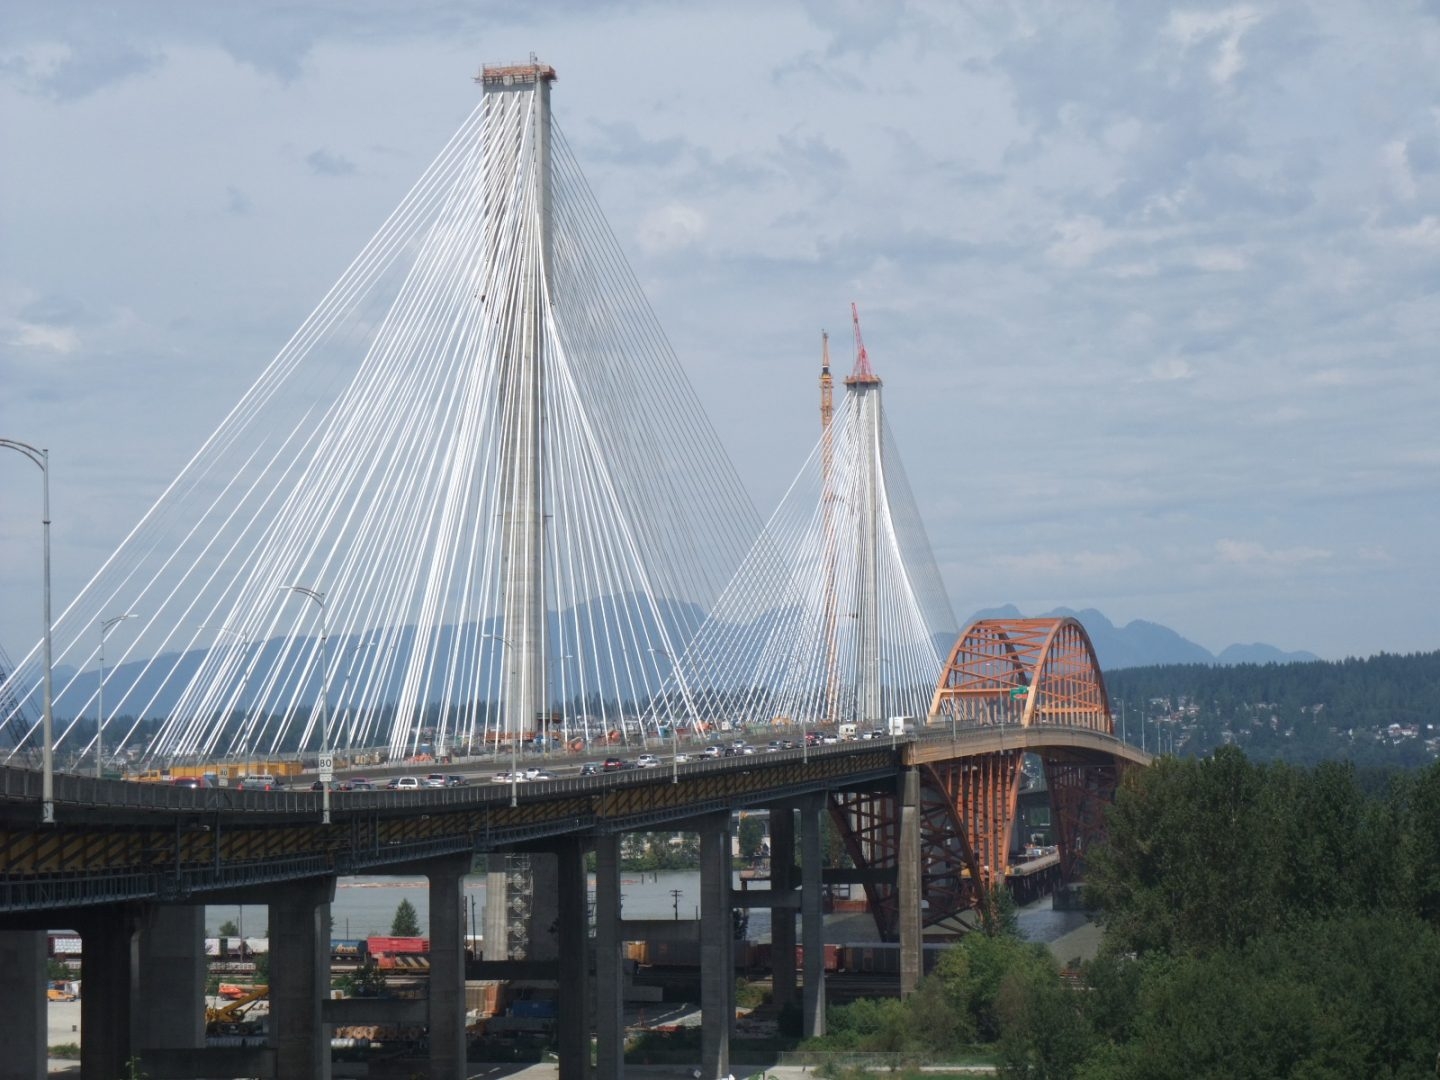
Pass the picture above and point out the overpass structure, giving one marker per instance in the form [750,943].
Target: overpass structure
[925,820]
[510,521]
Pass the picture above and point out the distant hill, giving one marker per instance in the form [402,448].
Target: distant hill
[1143,644]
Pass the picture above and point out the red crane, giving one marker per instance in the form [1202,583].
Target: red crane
[862,372]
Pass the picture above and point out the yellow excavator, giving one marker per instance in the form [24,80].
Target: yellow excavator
[229,1019]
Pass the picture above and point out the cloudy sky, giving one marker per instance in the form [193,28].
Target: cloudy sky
[1153,288]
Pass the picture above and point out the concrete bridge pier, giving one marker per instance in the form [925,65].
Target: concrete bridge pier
[609,1007]
[299,979]
[908,885]
[812,915]
[446,1007]
[172,979]
[23,1034]
[108,940]
[782,919]
[717,946]
[573,933]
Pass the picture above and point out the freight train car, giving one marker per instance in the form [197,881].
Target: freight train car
[355,950]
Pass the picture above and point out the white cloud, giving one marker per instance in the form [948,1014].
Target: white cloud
[671,228]
[1225,28]
[1078,241]
[1220,260]
[1253,555]
[59,339]
[1171,369]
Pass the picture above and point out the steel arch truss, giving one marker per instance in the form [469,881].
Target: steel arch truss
[1025,672]
[966,810]
[869,827]
[1079,794]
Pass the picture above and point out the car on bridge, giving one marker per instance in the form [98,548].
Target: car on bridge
[258,782]
[435,779]
[614,764]
[589,769]
[404,783]
[710,752]
[647,761]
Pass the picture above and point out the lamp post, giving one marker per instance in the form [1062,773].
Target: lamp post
[105,627]
[514,735]
[41,459]
[674,730]
[326,764]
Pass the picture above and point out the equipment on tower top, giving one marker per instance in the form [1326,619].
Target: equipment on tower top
[862,375]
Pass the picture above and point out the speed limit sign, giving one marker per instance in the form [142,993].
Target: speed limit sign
[327,768]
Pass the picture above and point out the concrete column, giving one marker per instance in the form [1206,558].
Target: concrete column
[447,967]
[497,922]
[24,1032]
[172,979]
[108,989]
[908,883]
[609,972]
[299,978]
[812,917]
[717,947]
[544,930]
[782,921]
[574,941]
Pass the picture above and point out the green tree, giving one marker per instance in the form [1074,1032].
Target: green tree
[1044,1033]
[406,923]
[751,835]
[228,929]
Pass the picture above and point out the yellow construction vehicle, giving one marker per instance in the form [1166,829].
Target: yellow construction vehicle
[230,1019]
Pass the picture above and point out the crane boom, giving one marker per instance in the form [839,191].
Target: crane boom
[862,374]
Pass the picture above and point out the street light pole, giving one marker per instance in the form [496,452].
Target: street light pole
[514,737]
[674,731]
[105,628]
[41,459]
[325,761]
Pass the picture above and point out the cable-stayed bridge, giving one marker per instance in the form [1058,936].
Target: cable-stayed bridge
[474,495]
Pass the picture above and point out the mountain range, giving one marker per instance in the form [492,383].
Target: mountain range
[1140,644]
[1136,644]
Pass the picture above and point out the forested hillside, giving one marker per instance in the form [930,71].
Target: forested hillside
[1384,710]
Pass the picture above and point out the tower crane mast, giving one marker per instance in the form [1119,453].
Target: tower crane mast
[827,385]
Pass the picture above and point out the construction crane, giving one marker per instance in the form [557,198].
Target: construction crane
[827,392]
[229,1019]
[862,374]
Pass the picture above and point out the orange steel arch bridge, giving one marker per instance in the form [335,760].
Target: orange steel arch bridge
[1009,687]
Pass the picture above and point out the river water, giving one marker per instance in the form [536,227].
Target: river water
[365,906]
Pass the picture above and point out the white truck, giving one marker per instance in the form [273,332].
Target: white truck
[902,725]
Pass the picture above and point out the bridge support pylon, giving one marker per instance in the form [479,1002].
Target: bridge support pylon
[107,936]
[23,1042]
[908,883]
[172,977]
[812,915]
[717,947]
[447,967]
[573,930]
[299,979]
[609,973]
[782,919]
